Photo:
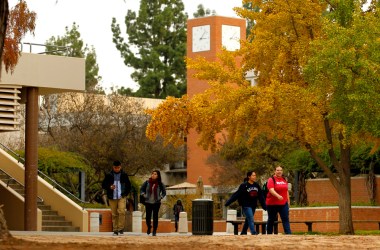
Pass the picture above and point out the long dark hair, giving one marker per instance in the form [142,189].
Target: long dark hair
[158,175]
[249,173]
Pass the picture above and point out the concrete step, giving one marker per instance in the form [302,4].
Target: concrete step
[53,217]
[49,212]
[44,207]
[60,229]
[56,223]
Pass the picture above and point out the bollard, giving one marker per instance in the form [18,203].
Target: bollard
[137,222]
[265,218]
[182,224]
[94,222]
[231,215]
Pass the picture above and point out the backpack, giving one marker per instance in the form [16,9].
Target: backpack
[265,187]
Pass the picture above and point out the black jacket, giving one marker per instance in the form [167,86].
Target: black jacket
[248,194]
[145,191]
[124,182]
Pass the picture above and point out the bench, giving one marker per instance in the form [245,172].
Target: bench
[309,224]
[263,224]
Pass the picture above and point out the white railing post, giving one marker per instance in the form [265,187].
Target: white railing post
[182,224]
[94,222]
[231,215]
[137,222]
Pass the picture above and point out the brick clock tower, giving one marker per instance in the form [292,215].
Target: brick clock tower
[205,37]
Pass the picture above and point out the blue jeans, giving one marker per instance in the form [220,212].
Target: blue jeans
[249,221]
[283,210]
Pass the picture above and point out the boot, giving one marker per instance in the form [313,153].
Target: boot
[148,231]
[154,233]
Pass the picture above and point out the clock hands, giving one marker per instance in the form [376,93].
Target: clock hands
[202,36]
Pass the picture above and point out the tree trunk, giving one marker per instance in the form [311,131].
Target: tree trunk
[302,194]
[371,182]
[344,191]
[345,211]
[342,183]
[4,12]
[4,233]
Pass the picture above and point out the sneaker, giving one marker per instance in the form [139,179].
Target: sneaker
[115,233]
[121,232]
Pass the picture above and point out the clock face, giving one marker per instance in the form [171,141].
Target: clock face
[231,37]
[201,38]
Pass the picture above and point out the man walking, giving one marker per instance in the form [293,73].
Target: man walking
[118,186]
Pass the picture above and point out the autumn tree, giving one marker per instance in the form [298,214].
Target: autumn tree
[14,25]
[243,155]
[318,86]
[75,47]
[101,129]
[156,47]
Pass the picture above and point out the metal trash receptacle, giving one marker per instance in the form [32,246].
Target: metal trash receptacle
[202,217]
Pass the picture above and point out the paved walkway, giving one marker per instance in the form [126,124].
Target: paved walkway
[21,233]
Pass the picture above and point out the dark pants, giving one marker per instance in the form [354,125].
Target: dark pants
[283,211]
[149,209]
[176,219]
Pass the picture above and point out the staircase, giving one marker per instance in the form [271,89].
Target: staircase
[51,220]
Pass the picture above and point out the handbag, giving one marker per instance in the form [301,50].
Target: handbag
[142,199]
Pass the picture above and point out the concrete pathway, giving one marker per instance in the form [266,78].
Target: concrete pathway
[36,233]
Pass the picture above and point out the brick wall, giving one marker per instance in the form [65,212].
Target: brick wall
[322,191]
[296,214]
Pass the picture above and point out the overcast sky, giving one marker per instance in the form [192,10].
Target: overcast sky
[94,18]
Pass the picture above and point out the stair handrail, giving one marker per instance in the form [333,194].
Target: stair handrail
[19,157]
[50,180]
[11,178]
[68,193]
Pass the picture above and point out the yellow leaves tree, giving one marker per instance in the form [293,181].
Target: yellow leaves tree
[289,38]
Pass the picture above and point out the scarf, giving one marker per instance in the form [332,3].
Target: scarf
[153,185]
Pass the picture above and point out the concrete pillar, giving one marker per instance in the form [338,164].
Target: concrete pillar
[94,222]
[137,222]
[231,215]
[265,218]
[31,159]
[182,224]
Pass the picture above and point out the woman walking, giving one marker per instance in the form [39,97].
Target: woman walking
[277,201]
[153,190]
[248,193]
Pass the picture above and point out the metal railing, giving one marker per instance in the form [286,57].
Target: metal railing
[13,179]
[55,184]
[65,49]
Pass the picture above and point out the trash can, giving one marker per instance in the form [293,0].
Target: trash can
[202,218]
